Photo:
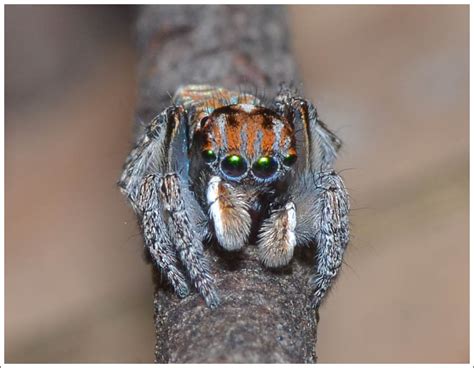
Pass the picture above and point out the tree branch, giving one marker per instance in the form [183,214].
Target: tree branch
[264,316]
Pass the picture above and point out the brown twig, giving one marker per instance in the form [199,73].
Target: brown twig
[264,316]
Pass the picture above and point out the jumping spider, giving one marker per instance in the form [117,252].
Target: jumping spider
[219,162]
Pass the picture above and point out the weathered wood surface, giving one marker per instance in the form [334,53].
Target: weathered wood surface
[264,315]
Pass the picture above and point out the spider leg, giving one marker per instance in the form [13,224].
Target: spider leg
[322,209]
[156,236]
[320,144]
[319,195]
[332,235]
[155,180]
[187,242]
[317,214]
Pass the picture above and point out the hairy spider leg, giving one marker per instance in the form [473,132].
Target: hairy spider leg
[318,193]
[157,165]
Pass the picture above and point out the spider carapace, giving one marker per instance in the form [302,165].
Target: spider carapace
[222,164]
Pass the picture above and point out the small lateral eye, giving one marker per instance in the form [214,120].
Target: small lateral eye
[209,155]
[289,160]
[265,167]
[234,166]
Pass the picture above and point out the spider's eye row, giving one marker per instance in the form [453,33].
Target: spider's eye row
[289,160]
[234,166]
[265,167]
[209,156]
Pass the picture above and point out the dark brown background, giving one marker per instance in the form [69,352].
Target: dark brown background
[391,80]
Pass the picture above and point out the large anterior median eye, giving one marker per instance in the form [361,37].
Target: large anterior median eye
[265,167]
[234,166]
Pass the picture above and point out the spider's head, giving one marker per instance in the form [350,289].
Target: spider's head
[247,144]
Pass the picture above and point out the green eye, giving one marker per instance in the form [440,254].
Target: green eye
[265,167]
[289,160]
[209,155]
[234,166]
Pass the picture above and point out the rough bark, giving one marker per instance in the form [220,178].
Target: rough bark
[264,316]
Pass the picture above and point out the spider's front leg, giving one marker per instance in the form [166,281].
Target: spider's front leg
[318,196]
[187,240]
[317,213]
[156,236]
[331,225]
[155,180]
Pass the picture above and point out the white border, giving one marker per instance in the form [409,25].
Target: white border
[471,201]
[2,154]
[2,184]
[266,2]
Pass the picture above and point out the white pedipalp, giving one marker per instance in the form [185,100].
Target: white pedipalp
[212,195]
[277,238]
[291,216]
[229,214]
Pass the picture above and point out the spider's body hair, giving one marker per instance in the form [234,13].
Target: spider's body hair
[221,164]
[248,130]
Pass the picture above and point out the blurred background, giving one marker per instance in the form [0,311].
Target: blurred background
[392,81]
